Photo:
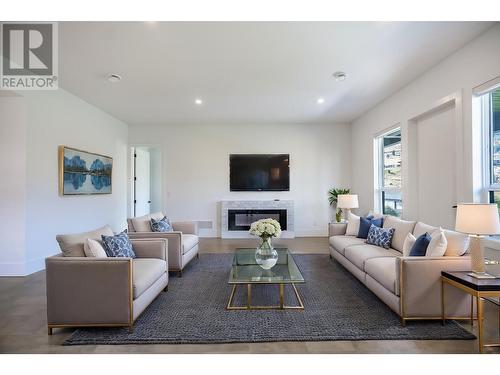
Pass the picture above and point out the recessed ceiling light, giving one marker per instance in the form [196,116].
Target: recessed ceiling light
[113,78]
[339,76]
[320,100]
[198,101]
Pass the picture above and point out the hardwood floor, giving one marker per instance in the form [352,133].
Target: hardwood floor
[23,321]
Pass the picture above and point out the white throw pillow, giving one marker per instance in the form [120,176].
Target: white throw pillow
[143,223]
[401,230]
[352,225]
[408,244]
[93,249]
[458,243]
[438,244]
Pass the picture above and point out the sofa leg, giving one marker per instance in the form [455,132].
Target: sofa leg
[197,255]
[179,273]
[331,256]
[165,289]
[49,331]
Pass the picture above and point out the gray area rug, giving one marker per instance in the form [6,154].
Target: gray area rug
[337,307]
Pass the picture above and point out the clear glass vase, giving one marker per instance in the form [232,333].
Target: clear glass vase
[265,255]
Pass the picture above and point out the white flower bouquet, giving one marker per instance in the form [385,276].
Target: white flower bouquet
[266,228]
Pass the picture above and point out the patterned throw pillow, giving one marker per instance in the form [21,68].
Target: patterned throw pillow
[118,246]
[162,225]
[380,236]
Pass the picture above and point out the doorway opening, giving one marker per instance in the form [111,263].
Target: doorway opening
[146,185]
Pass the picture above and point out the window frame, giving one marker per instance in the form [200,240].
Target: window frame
[485,97]
[487,129]
[380,188]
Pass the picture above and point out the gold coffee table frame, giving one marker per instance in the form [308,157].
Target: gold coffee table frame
[246,271]
[281,305]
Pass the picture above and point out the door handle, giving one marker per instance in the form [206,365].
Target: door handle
[149,201]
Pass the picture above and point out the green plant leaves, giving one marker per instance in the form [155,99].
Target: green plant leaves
[334,193]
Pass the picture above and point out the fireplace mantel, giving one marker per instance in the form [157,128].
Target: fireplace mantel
[255,205]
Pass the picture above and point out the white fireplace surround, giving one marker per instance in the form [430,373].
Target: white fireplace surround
[256,205]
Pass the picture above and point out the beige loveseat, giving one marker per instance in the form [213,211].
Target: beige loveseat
[87,292]
[410,286]
[182,241]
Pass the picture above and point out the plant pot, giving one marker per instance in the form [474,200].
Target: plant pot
[265,255]
[338,216]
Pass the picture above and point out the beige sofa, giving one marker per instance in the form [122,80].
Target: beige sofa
[410,286]
[87,292]
[182,242]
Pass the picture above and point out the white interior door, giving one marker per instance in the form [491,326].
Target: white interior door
[436,155]
[142,174]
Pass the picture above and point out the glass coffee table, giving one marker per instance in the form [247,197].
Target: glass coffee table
[246,271]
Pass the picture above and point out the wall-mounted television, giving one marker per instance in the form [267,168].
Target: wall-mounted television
[259,172]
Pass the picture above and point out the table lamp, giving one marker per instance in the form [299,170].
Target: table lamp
[347,202]
[477,220]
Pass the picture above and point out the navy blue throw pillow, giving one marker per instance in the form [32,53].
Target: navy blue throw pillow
[365,223]
[118,245]
[419,248]
[162,225]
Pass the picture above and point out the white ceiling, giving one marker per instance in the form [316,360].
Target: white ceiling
[249,72]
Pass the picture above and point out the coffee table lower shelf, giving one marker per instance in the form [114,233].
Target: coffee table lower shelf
[281,305]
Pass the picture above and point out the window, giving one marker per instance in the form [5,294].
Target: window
[388,187]
[491,121]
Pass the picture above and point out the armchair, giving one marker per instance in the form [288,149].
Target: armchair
[182,241]
[112,292]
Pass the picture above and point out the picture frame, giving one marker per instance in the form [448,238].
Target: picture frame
[84,173]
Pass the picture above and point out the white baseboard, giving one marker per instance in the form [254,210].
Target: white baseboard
[312,233]
[208,235]
[12,269]
[22,268]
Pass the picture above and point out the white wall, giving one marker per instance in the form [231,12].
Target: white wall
[457,75]
[56,118]
[195,164]
[13,185]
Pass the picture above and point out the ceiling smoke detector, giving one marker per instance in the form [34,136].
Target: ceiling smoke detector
[113,78]
[339,76]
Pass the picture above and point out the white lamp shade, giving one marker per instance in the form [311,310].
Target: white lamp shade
[480,219]
[347,201]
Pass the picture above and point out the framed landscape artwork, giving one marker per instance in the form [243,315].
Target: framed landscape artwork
[84,173]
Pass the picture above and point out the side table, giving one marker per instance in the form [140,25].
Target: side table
[478,288]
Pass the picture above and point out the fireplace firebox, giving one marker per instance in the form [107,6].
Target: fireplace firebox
[241,219]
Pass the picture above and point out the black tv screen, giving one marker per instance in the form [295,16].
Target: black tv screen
[259,172]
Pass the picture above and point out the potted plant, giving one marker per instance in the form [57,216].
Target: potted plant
[332,199]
